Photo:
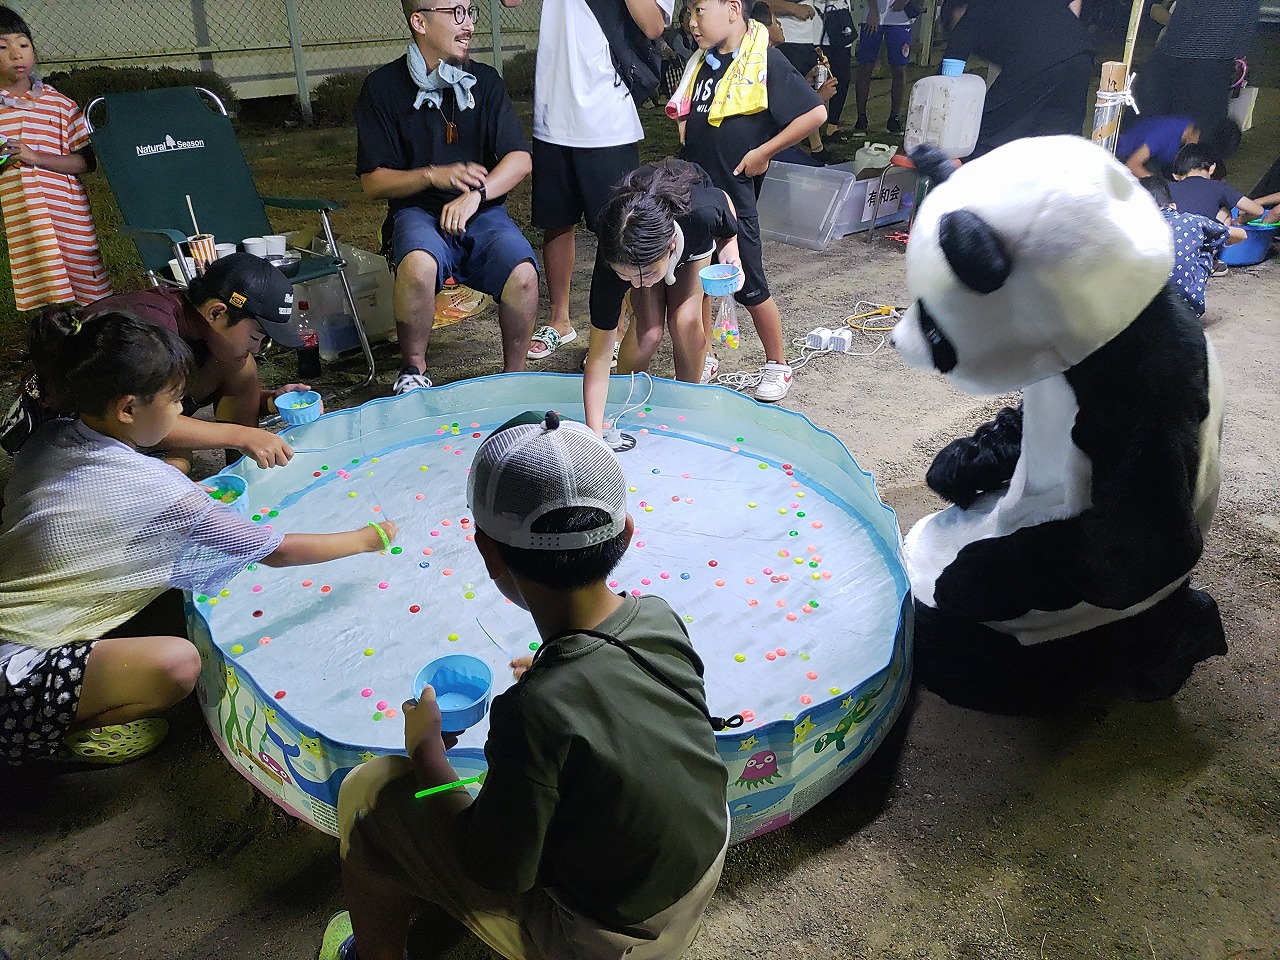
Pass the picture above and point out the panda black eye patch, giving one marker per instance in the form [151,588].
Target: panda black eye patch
[944,354]
[975,253]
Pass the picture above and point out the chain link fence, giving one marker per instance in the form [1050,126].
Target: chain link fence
[264,48]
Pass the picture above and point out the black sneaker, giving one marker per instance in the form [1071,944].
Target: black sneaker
[823,156]
[894,125]
[860,125]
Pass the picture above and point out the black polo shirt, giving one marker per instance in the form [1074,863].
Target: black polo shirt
[391,134]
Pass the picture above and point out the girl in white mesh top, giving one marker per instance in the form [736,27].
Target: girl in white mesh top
[93,530]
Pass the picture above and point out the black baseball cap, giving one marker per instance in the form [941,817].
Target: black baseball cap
[250,284]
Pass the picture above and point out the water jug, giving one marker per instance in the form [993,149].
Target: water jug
[946,111]
[871,158]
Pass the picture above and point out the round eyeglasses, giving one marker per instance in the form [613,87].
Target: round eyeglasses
[460,13]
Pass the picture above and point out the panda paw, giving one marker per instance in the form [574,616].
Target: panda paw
[970,466]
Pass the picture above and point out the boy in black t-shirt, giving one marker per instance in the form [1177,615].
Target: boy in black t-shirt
[732,129]
[1195,190]
[438,139]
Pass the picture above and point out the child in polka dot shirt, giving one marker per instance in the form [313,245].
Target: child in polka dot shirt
[1197,242]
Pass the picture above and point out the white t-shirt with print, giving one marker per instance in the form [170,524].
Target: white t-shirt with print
[578,99]
[892,18]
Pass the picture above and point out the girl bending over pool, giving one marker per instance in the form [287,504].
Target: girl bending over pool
[93,530]
[660,226]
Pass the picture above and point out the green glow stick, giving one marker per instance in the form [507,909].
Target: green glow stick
[446,786]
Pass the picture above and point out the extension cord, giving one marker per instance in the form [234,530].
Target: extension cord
[819,339]
[841,341]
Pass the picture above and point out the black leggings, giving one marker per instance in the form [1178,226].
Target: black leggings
[841,59]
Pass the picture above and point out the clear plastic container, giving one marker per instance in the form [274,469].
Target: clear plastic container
[871,158]
[946,111]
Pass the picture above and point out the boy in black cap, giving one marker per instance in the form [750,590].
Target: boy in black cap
[223,316]
[601,827]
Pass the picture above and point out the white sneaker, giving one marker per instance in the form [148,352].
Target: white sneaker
[775,382]
[710,367]
[410,379]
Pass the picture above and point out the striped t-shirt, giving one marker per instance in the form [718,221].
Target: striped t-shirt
[53,249]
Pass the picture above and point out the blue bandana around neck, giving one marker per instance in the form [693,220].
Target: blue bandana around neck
[431,86]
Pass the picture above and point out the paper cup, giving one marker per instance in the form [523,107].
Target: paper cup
[176,270]
[225,250]
[277,244]
[255,245]
[204,249]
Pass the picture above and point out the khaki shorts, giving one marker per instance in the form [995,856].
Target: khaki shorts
[404,846]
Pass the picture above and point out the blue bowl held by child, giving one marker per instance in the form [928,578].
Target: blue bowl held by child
[463,685]
[230,490]
[300,407]
[719,280]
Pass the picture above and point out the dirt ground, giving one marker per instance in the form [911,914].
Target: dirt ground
[1112,831]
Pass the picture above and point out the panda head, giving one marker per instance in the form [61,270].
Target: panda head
[1025,261]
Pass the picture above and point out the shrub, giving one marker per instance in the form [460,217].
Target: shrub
[82,84]
[334,98]
[518,73]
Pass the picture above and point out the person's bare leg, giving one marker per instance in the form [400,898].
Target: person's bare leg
[644,335]
[898,78]
[128,678]
[685,321]
[417,279]
[517,313]
[559,247]
[862,87]
[379,921]
[768,324]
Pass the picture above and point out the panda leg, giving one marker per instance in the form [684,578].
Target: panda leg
[971,665]
[1160,647]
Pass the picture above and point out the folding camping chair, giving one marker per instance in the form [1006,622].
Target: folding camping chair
[157,147]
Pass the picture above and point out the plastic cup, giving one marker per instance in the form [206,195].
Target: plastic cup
[230,490]
[203,248]
[301,406]
[277,244]
[176,270]
[255,245]
[225,250]
[463,685]
[719,279]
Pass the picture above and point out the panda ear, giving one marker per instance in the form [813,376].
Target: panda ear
[931,163]
[974,251]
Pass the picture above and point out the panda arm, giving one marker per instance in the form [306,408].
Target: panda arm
[1140,535]
[969,466]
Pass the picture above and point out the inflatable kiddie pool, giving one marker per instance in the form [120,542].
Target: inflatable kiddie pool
[758,527]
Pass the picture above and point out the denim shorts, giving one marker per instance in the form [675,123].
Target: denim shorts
[482,258]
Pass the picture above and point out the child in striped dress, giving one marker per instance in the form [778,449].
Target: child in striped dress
[53,249]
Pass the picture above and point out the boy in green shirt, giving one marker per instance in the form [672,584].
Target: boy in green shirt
[601,828]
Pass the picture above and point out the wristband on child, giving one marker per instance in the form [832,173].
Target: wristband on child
[386,541]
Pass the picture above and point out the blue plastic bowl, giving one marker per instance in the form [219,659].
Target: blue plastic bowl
[719,280]
[296,408]
[1253,248]
[230,490]
[463,684]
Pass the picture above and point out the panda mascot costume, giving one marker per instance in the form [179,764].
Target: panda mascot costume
[1077,516]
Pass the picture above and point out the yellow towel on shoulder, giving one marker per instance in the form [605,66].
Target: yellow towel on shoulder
[741,91]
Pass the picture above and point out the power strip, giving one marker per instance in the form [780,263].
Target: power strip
[841,341]
[819,339]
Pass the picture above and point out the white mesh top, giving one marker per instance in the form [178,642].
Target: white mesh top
[93,531]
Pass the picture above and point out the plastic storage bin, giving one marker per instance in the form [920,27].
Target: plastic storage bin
[898,192]
[372,288]
[946,111]
[799,205]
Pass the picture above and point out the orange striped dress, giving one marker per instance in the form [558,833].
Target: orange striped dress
[53,249]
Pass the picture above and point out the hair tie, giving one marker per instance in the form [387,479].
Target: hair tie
[76,326]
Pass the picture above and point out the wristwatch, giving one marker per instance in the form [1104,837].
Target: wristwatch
[484,194]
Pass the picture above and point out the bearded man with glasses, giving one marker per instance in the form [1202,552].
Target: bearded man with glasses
[439,140]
